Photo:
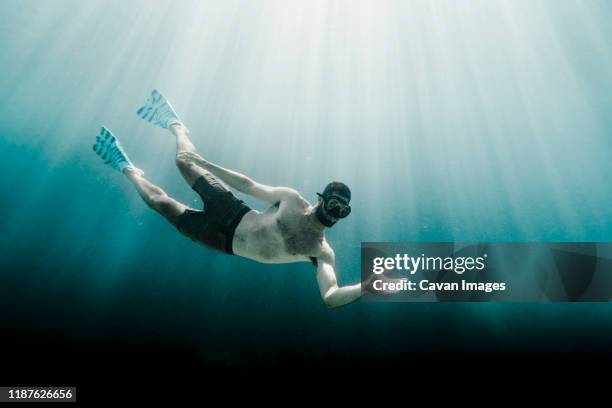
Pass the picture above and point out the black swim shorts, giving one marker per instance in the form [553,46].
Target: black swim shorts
[216,224]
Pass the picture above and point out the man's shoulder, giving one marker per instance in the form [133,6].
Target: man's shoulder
[293,197]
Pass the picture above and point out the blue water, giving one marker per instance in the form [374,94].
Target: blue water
[450,121]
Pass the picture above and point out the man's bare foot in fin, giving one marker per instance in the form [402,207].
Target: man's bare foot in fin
[109,149]
[158,111]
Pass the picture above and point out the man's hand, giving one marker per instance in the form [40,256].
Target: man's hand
[191,157]
[369,284]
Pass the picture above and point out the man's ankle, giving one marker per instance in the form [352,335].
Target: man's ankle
[131,172]
[178,127]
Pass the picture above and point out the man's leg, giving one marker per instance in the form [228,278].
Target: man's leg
[109,149]
[158,111]
[155,197]
[190,171]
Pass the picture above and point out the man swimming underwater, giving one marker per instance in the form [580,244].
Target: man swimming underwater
[291,230]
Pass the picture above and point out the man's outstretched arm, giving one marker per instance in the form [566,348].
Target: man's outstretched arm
[241,182]
[331,293]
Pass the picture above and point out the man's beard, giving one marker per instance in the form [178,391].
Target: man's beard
[323,217]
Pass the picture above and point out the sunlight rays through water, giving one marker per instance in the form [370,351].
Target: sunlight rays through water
[450,120]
